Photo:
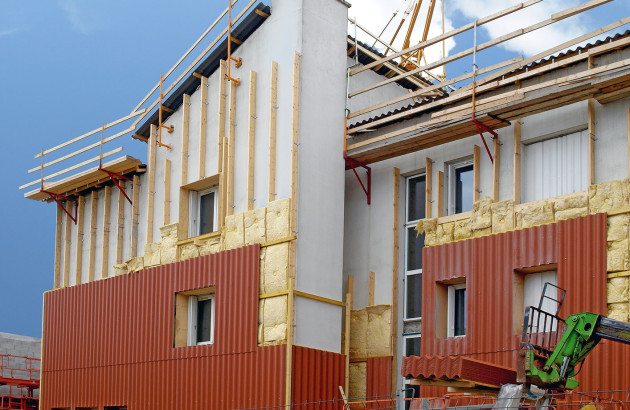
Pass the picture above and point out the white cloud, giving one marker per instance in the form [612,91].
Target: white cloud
[82,19]
[8,32]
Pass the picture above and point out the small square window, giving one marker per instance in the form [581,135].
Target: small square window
[460,187]
[203,211]
[194,317]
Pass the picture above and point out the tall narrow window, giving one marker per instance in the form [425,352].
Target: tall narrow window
[457,310]
[460,191]
[413,246]
[201,319]
[203,211]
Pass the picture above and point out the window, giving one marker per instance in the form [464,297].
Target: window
[414,243]
[203,211]
[457,310]
[460,187]
[555,166]
[194,317]
[528,290]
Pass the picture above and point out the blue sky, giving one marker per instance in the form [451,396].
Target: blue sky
[68,65]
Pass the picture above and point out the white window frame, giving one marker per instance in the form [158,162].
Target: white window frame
[451,309]
[452,167]
[409,224]
[195,209]
[192,319]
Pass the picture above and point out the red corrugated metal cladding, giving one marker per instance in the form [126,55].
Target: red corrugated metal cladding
[110,342]
[488,264]
[317,376]
[379,382]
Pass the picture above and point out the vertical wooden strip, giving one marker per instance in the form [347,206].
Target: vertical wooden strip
[185,136]
[106,230]
[221,140]
[184,204]
[167,192]
[121,224]
[58,231]
[395,267]
[93,222]
[591,141]
[628,125]
[371,289]
[223,184]
[440,194]
[251,141]
[348,316]
[203,107]
[79,243]
[231,147]
[475,174]
[517,161]
[273,113]
[428,171]
[151,178]
[496,170]
[68,243]
[135,214]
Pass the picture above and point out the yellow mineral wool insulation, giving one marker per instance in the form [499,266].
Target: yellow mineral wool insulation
[619,311]
[168,254]
[463,229]
[429,228]
[482,214]
[275,318]
[617,256]
[188,251]
[234,231]
[482,232]
[135,264]
[261,334]
[444,233]
[617,227]
[379,331]
[617,290]
[358,380]
[502,216]
[358,333]
[275,268]
[570,213]
[151,254]
[255,226]
[168,246]
[261,277]
[208,246]
[533,214]
[608,196]
[570,206]
[121,269]
[277,219]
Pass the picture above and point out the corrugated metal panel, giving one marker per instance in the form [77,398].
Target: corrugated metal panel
[379,381]
[578,246]
[456,368]
[317,376]
[110,342]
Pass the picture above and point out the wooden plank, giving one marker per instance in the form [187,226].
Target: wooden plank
[207,182]
[428,192]
[318,298]
[185,136]
[347,326]
[68,243]
[151,181]
[496,169]
[395,269]
[476,173]
[203,122]
[221,168]
[231,148]
[167,192]
[121,224]
[92,251]
[58,233]
[440,194]
[184,205]
[273,113]
[591,141]
[628,125]
[251,141]
[106,230]
[517,162]
[371,290]
[135,214]
[79,241]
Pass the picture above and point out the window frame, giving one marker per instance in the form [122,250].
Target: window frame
[410,224]
[452,168]
[193,315]
[450,325]
[195,211]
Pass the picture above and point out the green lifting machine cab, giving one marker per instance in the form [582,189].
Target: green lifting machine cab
[552,348]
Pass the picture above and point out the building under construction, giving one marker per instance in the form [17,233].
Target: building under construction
[316,220]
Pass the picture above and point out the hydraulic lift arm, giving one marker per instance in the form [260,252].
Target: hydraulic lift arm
[583,332]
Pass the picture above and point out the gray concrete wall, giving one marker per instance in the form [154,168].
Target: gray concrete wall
[22,346]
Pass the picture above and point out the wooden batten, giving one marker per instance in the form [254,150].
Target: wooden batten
[79,242]
[476,172]
[120,228]
[273,114]
[167,192]
[231,148]
[440,194]
[58,233]
[346,341]
[185,136]
[135,214]
[496,170]
[68,243]
[517,162]
[428,184]
[628,125]
[203,108]
[371,289]
[221,139]
[251,137]
[591,141]
[151,180]
[106,231]
[395,267]
[184,204]
[93,221]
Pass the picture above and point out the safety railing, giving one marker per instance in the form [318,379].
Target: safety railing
[19,368]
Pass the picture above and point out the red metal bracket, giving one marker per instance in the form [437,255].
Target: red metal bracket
[58,198]
[481,127]
[353,163]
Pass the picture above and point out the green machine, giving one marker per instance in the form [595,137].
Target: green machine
[552,349]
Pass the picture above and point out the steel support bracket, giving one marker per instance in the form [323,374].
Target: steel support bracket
[115,177]
[58,198]
[367,187]
[481,127]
